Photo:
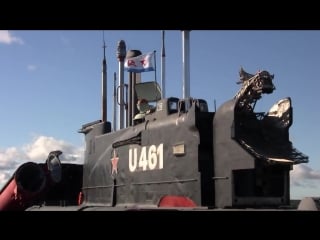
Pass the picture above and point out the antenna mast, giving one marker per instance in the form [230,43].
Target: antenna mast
[163,77]
[186,63]
[104,83]
[121,54]
[114,121]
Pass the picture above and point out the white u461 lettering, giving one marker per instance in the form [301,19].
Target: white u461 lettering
[150,158]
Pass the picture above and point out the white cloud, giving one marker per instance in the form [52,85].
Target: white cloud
[36,151]
[304,176]
[4,177]
[9,158]
[31,67]
[40,147]
[7,38]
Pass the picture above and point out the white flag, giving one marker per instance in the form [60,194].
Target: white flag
[141,63]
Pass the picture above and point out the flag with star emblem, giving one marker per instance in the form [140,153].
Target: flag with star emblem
[141,63]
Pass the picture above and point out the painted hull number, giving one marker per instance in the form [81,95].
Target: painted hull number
[146,158]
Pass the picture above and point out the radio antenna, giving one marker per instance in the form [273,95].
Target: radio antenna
[104,82]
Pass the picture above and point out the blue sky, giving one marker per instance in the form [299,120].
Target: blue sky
[51,85]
